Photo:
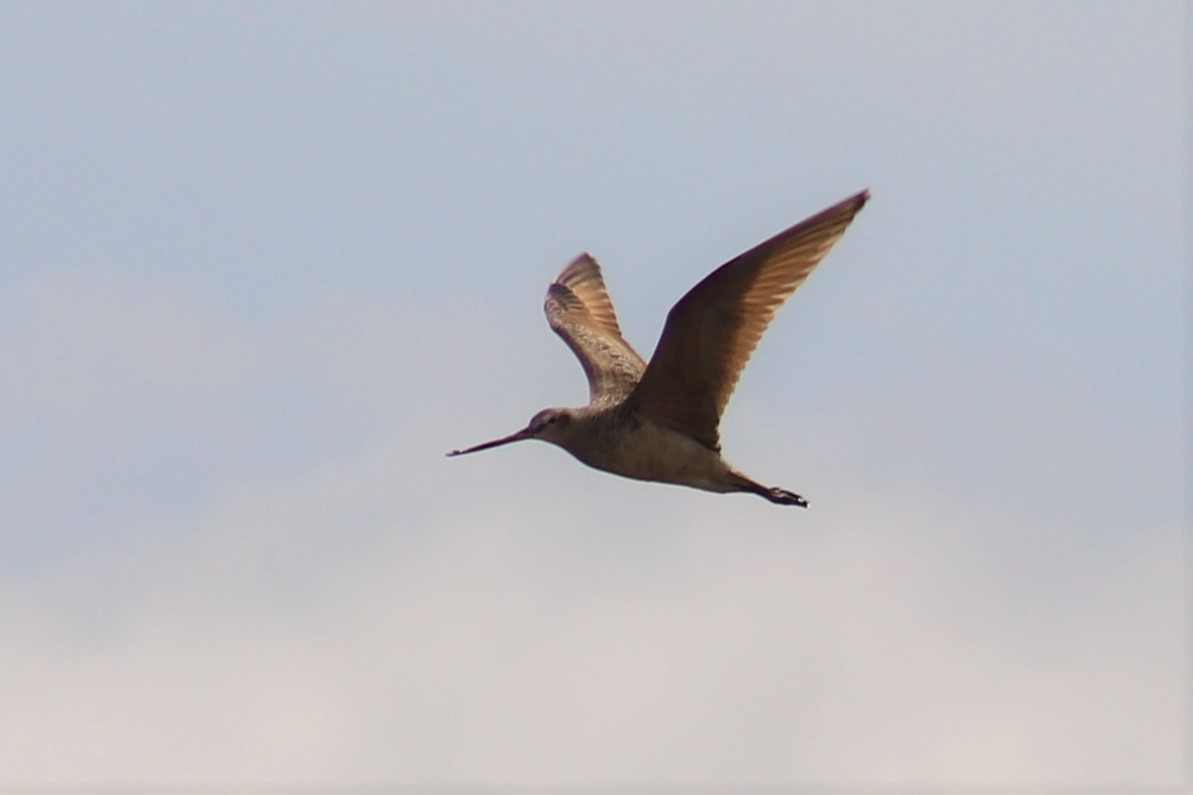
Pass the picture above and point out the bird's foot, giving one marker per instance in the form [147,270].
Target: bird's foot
[785,497]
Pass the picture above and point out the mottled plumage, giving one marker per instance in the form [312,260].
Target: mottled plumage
[659,421]
[580,312]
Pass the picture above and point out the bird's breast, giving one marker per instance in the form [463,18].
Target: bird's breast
[643,450]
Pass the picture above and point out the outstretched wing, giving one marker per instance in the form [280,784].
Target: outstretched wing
[711,332]
[580,312]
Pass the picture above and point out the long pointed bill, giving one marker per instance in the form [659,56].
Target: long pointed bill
[513,437]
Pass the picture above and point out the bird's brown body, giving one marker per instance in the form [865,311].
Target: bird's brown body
[658,421]
[620,442]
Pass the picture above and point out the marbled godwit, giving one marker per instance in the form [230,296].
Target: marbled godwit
[659,421]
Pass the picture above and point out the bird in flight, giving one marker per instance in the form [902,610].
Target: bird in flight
[658,421]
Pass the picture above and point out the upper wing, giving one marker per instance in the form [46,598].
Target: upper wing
[579,310]
[711,332]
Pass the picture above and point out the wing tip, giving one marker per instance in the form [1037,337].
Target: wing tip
[845,209]
[581,263]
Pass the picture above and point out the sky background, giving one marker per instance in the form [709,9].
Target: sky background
[263,264]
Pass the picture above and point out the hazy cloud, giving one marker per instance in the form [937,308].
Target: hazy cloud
[265,268]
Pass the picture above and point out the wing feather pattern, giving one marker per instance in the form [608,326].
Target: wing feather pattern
[579,310]
[711,332]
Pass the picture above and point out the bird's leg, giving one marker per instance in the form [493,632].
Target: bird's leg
[783,497]
[773,493]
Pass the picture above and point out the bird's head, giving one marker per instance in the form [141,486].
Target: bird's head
[550,425]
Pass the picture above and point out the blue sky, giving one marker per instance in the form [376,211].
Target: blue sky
[263,265]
